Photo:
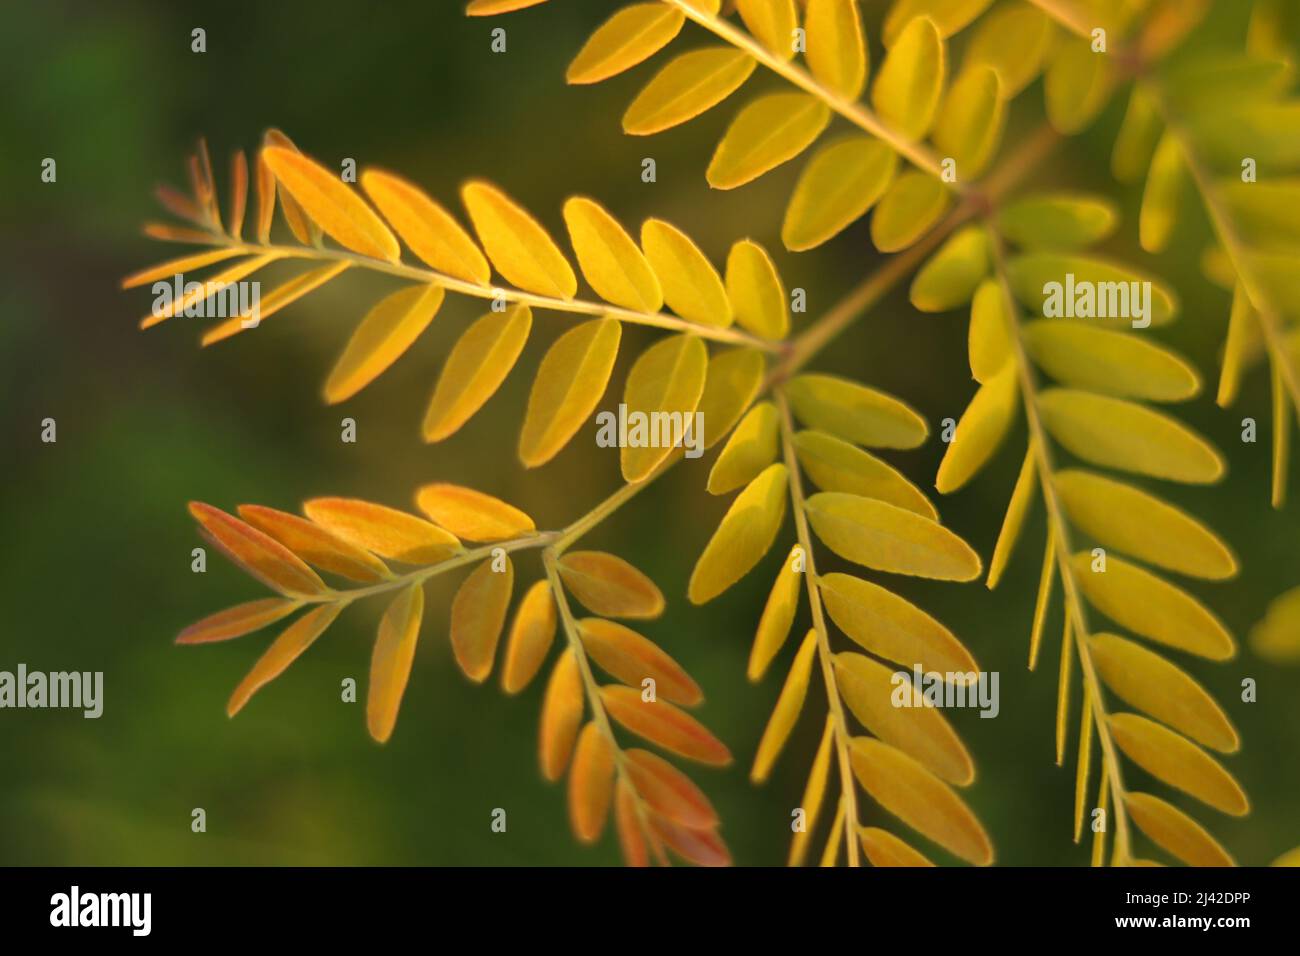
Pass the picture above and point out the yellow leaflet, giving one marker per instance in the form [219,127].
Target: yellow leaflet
[238,193]
[1097,292]
[562,706]
[1022,496]
[690,84]
[786,713]
[343,216]
[1145,680]
[1046,578]
[855,412]
[1118,434]
[1013,40]
[771,130]
[814,794]
[286,649]
[1063,687]
[1152,607]
[315,545]
[385,531]
[750,449]
[1178,762]
[916,727]
[834,465]
[181,265]
[982,428]
[265,183]
[1081,770]
[1281,431]
[609,586]
[754,288]
[837,50]
[1277,636]
[478,612]
[1133,522]
[390,663]
[971,121]
[569,383]
[591,784]
[661,723]
[1112,362]
[778,614]
[1077,86]
[1162,196]
[630,36]
[207,288]
[304,230]
[282,295]
[733,380]
[664,384]
[531,636]
[949,16]
[387,331]
[1175,831]
[888,626]
[628,657]
[610,260]
[1058,220]
[691,285]
[471,514]
[906,92]
[1261,216]
[831,852]
[840,183]
[488,8]
[884,537]
[772,22]
[257,553]
[1243,337]
[988,345]
[914,202]
[1137,137]
[668,791]
[238,620]
[516,243]
[920,799]
[950,277]
[745,534]
[477,365]
[429,230]
[884,849]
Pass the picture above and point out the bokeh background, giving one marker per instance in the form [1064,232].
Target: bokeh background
[95,562]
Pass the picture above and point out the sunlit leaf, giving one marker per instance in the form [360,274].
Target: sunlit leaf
[569,384]
[754,289]
[664,385]
[982,428]
[732,382]
[431,232]
[907,89]
[1178,762]
[610,260]
[665,725]
[786,712]
[1108,361]
[390,663]
[561,715]
[286,649]
[771,130]
[744,535]
[385,531]
[472,515]
[628,657]
[531,634]
[591,783]
[1175,831]
[237,621]
[691,286]
[841,181]
[750,449]
[950,277]
[690,84]
[837,49]
[878,535]
[631,35]
[914,202]
[609,586]
[256,552]
[516,243]
[387,331]
[855,412]
[476,366]
[971,121]
[478,613]
[315,545]
[778,614]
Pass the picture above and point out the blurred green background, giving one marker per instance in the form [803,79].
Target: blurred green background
[95,562]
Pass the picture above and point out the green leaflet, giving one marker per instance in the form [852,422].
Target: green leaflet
[1058,220]
[912,205]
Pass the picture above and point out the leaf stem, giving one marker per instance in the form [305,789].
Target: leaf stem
[851,110]
[660,320]
[848,792]
[1059,532]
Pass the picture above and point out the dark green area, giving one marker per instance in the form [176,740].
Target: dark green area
[95,564]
